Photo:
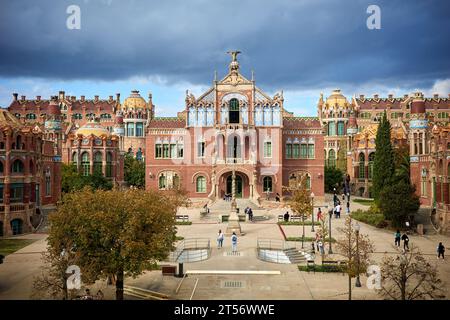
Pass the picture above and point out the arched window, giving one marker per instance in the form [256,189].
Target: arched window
[90,116]
[139,129]
[17,166]
[1,167]
[331,158]
[74,159]
[98,162]
[48,183]
[2,145]
[201,184]
[30,116]
[362,169]
[267,184]
[109,165]
[77,116]
[340,128]
[85,164]
[176,181]
[233,116]
[162,181]
[331,128]
[371,160]
[18,144]
[16,226]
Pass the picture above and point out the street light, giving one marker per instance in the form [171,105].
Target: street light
[330,251]
[312,214]
[357,283]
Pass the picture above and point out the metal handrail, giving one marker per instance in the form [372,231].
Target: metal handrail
[192,244]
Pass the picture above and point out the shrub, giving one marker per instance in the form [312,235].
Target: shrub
[373,216]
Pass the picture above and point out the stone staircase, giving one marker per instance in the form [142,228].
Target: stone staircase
[43,225]
[296,256]
[224,206]
[144,293]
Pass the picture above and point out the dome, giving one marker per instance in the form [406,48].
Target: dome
[337,97]
[94,128]
[134,101]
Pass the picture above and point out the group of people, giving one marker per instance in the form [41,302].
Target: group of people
[221,237]
[227,197]
[88,296]
[398,237]
[249,211]
[337,209]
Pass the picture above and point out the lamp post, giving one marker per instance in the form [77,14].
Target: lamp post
[312,214]
[330,213]
[358,282]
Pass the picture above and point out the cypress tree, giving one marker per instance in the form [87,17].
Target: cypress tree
[384,162]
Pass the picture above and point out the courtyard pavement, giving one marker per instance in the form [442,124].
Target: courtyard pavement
[18,269]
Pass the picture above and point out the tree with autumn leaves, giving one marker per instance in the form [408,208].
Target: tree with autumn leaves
[114,233]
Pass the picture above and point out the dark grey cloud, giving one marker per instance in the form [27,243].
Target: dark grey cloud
[289,44]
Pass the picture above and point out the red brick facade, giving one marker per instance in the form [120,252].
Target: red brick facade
[30,175]
[233,125]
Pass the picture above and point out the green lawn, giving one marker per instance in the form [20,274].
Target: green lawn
[8,246]
[366,202]
[308,239]
[298,223]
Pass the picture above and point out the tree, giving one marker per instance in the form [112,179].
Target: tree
[134,171]
[409,276]
[333,177]
[72,180]
[357,253]
[115,232]
[300,201]
[383,166]
[52,282]
[341,162]
[399,200]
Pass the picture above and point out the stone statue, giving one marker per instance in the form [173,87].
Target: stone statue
[234,55]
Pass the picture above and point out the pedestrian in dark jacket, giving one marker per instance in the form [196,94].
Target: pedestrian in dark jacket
[440,250]
[405,239]
[397,238]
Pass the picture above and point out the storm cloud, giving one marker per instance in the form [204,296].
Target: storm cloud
[289,44]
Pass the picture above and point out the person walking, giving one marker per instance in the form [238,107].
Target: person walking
[440,250]
[405,239]
[220,237]
[99,295]
[319,215]
[268,194]
[348,207]
[234,242]
[338,210]
[250,214]
[397,236]
[286,216]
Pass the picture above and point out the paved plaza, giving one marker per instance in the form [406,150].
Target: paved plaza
[18,269]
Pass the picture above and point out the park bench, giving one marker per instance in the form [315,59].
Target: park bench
[295,218]
[183,217]
[310,264]
[280,217]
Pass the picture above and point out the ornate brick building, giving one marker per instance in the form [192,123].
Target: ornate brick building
[350,129]
[30,175]
[234,126]
[134,113]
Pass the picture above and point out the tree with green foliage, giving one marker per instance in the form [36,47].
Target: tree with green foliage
[384,164]
[333,178]
[398,199]
[115,232]
[72,180]
[134,171]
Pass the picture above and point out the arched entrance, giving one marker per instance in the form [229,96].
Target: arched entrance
[239,185]
[16,226]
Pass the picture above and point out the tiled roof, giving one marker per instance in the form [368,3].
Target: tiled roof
[167,122]
[301,122]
